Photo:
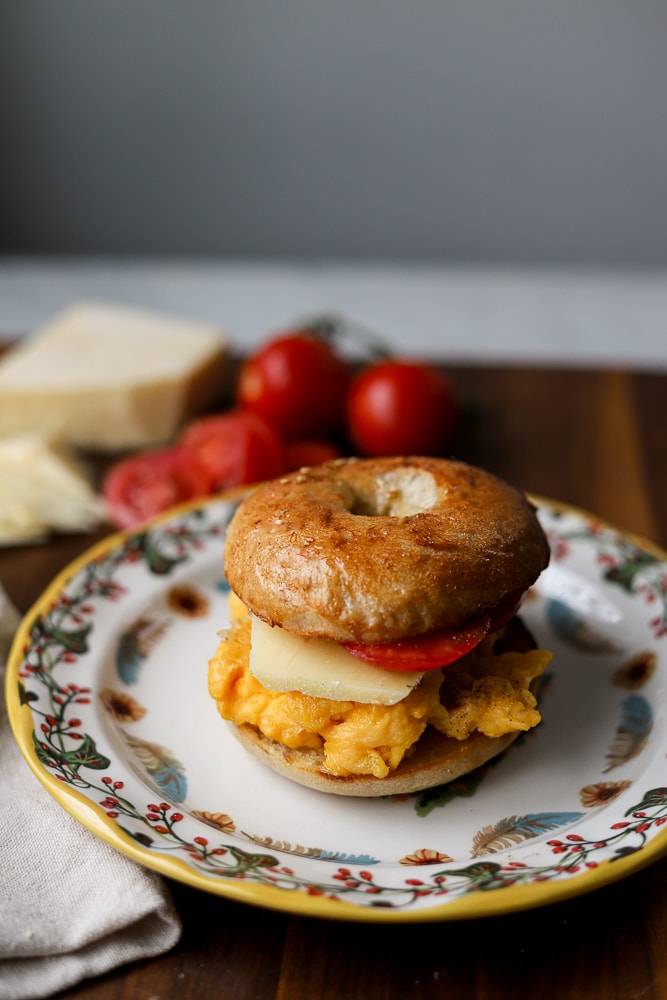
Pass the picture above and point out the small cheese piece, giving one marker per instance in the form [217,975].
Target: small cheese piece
[282,661]
[42,489]
[109,377]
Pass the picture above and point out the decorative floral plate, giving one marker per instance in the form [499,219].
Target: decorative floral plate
[107,695]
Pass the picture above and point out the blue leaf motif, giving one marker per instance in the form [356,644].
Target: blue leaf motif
[135,644]
[515,829]
[575,630]
[166,771]
[633,732]
[348,859]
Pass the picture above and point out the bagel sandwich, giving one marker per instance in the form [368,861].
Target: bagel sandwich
[374,646]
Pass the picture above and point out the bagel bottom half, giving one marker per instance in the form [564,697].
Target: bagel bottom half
[433,760]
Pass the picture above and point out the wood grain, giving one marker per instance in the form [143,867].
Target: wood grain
[597,440]
[623,494]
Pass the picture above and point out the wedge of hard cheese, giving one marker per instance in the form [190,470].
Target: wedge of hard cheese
[108,377]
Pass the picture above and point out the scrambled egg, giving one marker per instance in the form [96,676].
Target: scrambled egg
[482,691]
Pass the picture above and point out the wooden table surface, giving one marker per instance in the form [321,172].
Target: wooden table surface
[597,440]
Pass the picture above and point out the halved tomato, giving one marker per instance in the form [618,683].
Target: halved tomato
[144,485]
[427,652]
[234,448]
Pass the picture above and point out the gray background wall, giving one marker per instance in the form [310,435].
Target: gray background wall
[473,130]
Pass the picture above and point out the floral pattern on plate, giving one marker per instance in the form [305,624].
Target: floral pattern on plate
[107,697]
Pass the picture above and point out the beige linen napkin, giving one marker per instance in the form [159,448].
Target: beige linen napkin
[71,907]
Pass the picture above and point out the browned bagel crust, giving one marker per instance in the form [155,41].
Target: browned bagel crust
[375,550]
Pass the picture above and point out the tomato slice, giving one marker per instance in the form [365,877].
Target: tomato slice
[234,448]
[427,652]
[144,485]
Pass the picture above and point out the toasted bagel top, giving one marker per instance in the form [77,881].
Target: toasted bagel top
[377,550]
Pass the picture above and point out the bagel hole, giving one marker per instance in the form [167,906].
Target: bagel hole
[399,493]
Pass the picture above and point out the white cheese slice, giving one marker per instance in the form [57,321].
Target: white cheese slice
[109,377]
[282,661]
[43,489]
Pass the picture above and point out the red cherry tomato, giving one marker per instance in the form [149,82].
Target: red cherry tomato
[142,486]
[426,652]
[300,453]
[401,408]
[297,383]
[234,448]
